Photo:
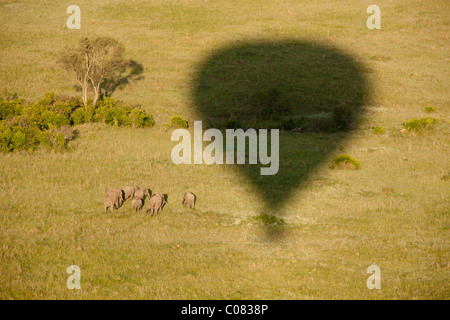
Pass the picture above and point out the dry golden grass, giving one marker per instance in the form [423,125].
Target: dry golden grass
[337,223]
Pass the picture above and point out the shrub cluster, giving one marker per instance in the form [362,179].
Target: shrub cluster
[344,161]
[48,123]
[378,130]
[418,124]
[178,122]
[113,112]
[430,109]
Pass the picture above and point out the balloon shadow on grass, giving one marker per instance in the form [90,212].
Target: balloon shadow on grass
[311,91]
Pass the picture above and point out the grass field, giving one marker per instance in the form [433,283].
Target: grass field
[393,212]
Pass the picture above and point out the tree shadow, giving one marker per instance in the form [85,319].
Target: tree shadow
[123,76]
[292,85]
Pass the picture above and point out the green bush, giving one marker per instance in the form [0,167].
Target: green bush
[48,122]
[89,114]
[430,110]
[47,99]
[378,130]
[139,119]
[26,126]
[18,138]
[10,108]
[54,139]
[42,117]
[344,161]
[57,140]
[115,113]
[6,134]
[417,125]
[112,112]
[177,122]
[60,104]
[79,116]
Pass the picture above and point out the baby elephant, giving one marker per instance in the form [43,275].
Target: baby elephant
[113,199]
[156,203]
[130,191]
[137,204]
[189,200]
[141,193]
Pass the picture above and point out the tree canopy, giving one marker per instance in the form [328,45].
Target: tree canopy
[94,61]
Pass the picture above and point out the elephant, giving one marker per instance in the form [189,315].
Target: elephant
[130,191]
[142,193]
[156,203]
[113,199]
[137,204]
[189,199]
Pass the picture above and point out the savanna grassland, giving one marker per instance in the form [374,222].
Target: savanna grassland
[317,243]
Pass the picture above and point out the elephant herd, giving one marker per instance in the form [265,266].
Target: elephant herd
[115,198]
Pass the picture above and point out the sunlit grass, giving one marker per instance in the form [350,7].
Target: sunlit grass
[392,212]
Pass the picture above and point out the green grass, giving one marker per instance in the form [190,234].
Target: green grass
[336,222]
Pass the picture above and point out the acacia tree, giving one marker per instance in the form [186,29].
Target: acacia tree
[107,57]
[78,60]
[93,61]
